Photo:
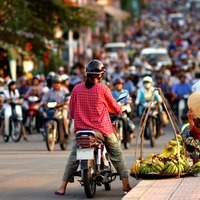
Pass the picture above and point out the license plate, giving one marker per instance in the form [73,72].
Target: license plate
[85,154]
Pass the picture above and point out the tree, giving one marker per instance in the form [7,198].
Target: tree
[23,21]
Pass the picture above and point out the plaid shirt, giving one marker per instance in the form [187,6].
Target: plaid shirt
[90,108]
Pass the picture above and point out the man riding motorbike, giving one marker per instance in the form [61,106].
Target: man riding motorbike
[118,89]
[58,94]
[179,90]
[90,105]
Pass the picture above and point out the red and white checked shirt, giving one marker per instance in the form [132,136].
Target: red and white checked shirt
[90,108]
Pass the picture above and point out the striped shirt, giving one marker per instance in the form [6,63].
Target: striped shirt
[90,108]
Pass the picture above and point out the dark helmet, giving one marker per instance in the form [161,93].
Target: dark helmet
[118,81]
[10,82]
[57,79]
[95,67]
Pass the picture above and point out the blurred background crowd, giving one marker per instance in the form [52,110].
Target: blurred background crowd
[160,39]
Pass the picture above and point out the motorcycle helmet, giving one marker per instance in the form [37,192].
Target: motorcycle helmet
[64,77]
[51,73]
[95,67]
[118,81]
[147,82]
[36,77]
[147,79]
[57,79]
[10,82]
[23,78]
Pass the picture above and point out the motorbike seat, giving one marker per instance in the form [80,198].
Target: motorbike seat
[95,133]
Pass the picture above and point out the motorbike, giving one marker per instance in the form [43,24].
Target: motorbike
[54,126]
[182,105]
[152,127]
[123,126]
[13,120]
[32,114]
[96,168]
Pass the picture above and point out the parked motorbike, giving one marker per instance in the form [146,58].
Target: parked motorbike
[32,113]
[152,127]
[123,126]
[13,120]
[96,168]
[54,126]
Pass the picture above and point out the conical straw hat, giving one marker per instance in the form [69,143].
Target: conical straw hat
[194,103]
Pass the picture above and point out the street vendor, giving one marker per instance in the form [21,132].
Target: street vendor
[191,136]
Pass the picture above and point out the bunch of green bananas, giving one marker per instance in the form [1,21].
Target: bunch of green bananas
[195,168]
[148,167]
[174,167]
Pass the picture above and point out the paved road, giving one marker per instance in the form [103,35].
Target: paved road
[29,172]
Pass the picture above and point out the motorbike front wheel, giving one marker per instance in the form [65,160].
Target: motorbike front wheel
[152,131]
[16,130]
[50,136]
[89,183]
[31,127]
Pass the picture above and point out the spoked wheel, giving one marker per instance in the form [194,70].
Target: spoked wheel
[152,131]
[16,130]
[89,183]
[50,136]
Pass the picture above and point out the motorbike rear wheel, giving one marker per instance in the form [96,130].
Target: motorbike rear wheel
[89,183]
[15,130]
[50,140]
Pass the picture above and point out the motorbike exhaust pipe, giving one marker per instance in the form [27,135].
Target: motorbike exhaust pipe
[99,179]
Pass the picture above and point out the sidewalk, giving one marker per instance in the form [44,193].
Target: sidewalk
[163,189]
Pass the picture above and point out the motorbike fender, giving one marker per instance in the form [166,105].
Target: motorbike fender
[85,164]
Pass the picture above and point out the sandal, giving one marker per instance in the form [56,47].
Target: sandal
[126,191]
[59,193]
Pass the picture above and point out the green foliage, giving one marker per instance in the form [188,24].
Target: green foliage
[34,21]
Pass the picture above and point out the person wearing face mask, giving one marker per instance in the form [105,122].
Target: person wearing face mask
[144,94]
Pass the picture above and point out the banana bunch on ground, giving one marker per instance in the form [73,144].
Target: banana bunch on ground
[195,169]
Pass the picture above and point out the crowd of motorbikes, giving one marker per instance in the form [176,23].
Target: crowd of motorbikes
[28,113]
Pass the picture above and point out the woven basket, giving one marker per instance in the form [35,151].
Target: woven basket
[194,103]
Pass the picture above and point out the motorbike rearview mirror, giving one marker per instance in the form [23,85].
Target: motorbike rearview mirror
[51,104]
[122,96]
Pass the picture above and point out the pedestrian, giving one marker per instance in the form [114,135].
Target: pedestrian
[90,105]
